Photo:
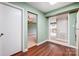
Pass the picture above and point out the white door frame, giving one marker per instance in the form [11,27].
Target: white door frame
[77,41]
[22,22]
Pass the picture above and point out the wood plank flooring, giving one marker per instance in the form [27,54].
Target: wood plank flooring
[49,49]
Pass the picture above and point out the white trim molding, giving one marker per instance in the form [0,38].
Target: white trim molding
[77,38]
[42,42]
[25,50]
[53,41]
[64,44]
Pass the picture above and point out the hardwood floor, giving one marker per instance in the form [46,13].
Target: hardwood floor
[49,49]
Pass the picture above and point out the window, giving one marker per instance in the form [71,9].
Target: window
[58,28]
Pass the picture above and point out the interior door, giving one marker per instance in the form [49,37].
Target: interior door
[0,33]
[10,26]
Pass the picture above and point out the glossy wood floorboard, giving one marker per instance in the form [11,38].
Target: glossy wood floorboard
[39,48]
[49,49]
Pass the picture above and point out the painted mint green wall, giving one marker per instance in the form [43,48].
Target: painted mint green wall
[72,27]
[42,22]
[63,9]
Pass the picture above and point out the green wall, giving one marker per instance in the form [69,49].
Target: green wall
[42,22]
[72,28]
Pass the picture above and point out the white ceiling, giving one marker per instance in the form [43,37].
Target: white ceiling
[46,6]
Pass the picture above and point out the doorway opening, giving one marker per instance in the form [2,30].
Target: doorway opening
[32,29]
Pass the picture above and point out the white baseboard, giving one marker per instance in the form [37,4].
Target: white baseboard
[25,50]
[64,44]
[42,42]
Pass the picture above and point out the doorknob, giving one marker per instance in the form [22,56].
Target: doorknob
[1,34]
